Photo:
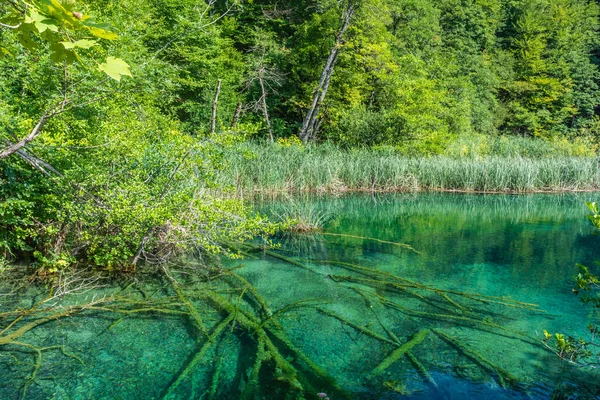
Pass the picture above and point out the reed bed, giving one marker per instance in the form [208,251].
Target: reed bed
[264,168]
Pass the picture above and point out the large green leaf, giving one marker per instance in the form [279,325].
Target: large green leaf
[58,53]
[115,68]
[41,22]
[100,30]
[83,44]
[56,10]
[25,38]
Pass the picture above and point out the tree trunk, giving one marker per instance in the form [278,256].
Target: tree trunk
[236,115]
[308,126]
[264,104]
[213,123]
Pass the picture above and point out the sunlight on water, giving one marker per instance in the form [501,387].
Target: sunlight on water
[373,320]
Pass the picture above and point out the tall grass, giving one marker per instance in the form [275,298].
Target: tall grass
[475,146]
[272,168]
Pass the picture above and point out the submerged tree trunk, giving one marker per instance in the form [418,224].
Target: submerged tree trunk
[308,132]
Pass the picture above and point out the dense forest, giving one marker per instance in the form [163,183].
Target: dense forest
[118,119]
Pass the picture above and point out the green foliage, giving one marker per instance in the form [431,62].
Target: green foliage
[139,184]
[481,146]
[569,348]
[60,26]
[554,78]
[124,180]
[595,215]
[424,72]
[587,282]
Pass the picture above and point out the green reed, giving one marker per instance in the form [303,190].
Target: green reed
[266,168]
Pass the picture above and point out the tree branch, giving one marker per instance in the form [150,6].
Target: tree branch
[9,26]
[35,132]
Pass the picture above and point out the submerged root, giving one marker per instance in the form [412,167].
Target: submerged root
[241,308]
[46,311]
[290,261]
[251,290]
[299,304]
[315,369]
[38,351]
[253,381]
[9,338]
[461,312]
[387,279]
[194,314]
[285,372]
[469,321]
[214,386]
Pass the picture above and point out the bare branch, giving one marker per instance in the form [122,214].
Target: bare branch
[76,282]
[308,131]
[236,115]
[213,121]
[29,138]
[9,26]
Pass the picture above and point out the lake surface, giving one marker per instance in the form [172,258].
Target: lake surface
[420,296]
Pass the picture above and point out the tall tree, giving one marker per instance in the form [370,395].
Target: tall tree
[310,125]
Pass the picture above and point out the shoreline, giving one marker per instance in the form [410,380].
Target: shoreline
[339,192]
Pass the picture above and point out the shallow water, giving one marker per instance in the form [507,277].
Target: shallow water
[524,247]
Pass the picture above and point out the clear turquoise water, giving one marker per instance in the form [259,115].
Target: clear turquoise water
[525,247]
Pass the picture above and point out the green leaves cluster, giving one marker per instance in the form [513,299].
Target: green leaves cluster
[587,282]
[62,28]
[569,348]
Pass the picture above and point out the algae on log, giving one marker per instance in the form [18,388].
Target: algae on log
[197,358]
[503,375]
[359,328]
[196,318]
[421,368]
[400,351]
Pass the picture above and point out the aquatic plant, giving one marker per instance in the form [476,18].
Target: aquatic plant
[302,216]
